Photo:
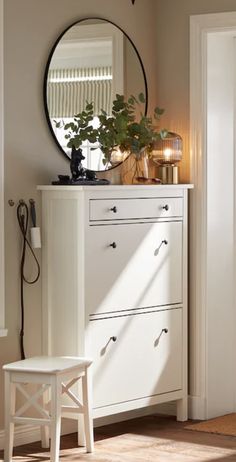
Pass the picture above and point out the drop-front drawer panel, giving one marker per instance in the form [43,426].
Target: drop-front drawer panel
[138,265]
[121,209]
[135,356]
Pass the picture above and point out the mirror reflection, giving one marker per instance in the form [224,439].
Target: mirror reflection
[91,62]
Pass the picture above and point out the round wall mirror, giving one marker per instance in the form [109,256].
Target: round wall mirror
[91,62]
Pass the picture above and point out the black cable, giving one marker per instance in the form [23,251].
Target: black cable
[33,212]
[23,218]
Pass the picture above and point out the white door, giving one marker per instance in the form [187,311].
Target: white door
[3,331]
[212,227]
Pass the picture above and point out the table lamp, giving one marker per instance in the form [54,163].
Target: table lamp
[166,153]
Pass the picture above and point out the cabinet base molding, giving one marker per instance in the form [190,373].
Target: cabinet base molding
[149,402]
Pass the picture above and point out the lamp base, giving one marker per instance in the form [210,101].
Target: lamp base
[169,174]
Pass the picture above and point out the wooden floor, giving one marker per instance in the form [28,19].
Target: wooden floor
[148,439]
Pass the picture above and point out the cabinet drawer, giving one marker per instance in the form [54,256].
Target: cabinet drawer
[121,209]
[144,360]
[138,265]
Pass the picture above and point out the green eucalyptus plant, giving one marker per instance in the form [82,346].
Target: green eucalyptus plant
[80,129]
[122,129]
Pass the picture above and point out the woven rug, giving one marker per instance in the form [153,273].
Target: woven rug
[224,425]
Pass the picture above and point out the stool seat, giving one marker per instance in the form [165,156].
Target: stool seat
[48,364]
[54,376]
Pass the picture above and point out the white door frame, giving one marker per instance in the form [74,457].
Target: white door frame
[200,27]
[2,270]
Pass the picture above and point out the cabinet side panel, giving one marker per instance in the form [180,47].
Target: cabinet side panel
[185,295]
[63,282]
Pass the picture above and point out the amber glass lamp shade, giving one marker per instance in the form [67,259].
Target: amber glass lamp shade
[168,150]
[166,153]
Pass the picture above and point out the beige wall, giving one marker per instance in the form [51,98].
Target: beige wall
[160,31]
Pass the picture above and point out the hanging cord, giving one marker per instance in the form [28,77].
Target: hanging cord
[23,219]
[33,212]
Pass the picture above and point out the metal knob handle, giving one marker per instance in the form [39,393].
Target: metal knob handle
[113,338]
[165,330]
[113,245]
[114,209]
[166,207]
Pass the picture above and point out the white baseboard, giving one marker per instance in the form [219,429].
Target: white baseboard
[25,434]
[22,434]
[197,408]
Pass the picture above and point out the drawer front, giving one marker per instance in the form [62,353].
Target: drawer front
[121,209]
[144,360]
[138,265]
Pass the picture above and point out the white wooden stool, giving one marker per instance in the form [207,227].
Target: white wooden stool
[59,374]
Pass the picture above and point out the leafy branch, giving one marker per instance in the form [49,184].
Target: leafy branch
[120,129]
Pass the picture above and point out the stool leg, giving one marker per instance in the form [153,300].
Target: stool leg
[81,431]
[88,422]
[44,428]
[55,418]
[10,400]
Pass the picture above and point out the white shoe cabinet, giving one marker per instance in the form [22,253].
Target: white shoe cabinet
[115,289]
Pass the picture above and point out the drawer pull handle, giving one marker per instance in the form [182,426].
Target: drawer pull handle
[104,349]
[114,245]
[163,331]
[166,207]
[114,209]
[156,252]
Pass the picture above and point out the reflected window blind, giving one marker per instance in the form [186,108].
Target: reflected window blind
[68,90]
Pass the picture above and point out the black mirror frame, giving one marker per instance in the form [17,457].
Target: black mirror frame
[48,65]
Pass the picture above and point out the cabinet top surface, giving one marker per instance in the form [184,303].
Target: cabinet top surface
[114,187]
